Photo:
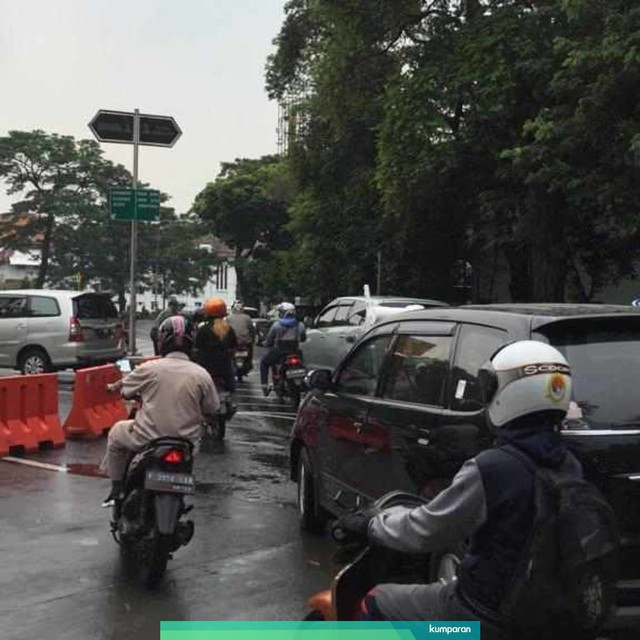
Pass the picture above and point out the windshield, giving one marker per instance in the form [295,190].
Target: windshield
[605,366]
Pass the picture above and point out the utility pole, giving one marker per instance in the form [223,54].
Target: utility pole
[134,238]
[379,272]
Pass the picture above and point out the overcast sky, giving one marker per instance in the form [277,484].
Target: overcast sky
[200,61]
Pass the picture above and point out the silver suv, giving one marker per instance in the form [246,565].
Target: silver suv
[345,319]
[43,330]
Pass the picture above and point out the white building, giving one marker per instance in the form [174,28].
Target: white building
[18,266]
[223,282]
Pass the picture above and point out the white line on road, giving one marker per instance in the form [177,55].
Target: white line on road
[35,463]
[262,445]
[267,414]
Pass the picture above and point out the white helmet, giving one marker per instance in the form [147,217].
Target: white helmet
[523,378]
[286,309]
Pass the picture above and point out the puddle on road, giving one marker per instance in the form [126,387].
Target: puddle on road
[275,460]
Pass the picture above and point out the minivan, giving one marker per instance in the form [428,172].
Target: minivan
[43,330]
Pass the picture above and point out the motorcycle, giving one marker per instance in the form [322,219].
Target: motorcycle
[215,430]
[147,521]
[368,566]
[288,378]
[242,362]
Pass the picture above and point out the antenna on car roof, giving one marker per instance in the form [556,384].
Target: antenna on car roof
[367,291]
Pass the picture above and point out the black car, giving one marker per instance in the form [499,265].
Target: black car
[403,409]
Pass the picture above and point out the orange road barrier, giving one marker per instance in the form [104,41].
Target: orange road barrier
[29,413]
[94,410]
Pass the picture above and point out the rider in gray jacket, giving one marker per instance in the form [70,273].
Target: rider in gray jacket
[490,501]
[284,337]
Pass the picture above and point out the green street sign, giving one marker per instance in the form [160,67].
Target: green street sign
[123,205]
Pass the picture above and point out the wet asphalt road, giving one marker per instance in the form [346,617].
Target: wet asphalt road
[62,576]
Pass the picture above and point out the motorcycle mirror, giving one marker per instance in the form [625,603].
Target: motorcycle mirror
[319,379]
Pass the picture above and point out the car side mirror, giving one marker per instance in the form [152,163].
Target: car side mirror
[319,379]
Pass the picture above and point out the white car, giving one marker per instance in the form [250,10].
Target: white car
[43,330]
[339,325]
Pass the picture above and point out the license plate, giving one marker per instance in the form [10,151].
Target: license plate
[296,373]
[242,354]
[169,482]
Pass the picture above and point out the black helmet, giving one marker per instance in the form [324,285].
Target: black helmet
[175,334]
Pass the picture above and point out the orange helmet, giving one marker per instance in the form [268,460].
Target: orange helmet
[215,308]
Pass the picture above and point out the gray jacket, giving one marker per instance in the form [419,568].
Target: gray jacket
[243,327]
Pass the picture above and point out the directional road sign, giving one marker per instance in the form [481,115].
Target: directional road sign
[144,206]
[117,126]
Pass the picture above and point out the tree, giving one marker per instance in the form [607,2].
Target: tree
[246,208]
[487,132]
[335,59]
[59,180]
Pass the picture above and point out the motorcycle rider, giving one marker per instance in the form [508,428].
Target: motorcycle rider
[215,343]
[245,331]
[177,396]
[173,309]
[490,501]
[284,338]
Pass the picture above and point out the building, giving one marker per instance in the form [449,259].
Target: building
[223,281]
[18,269]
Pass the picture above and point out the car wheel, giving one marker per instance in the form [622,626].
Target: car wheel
[311,516]
[34,361]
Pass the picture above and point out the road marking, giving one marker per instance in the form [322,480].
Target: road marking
[267,414]
[259,396]
[36,464]
[265,445]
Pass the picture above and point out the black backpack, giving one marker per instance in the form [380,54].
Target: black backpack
[564,583]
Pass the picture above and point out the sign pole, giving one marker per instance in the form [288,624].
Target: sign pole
[134,237]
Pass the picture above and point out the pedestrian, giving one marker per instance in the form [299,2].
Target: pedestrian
[173,308]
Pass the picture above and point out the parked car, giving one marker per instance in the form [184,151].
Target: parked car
[44,330]
[403,410]
[337,327]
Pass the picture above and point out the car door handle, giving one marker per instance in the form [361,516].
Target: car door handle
[424,437]
[22,325]
[359,426]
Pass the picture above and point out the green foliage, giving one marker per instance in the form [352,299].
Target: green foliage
[496,132]
[64,184]
[246,208]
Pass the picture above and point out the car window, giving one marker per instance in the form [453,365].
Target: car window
[13,306]
[325,319]
[44,307]
[360,374]
[604,355]
[418,369]
[342,313]
[357,313]
[475,346]
[94,306]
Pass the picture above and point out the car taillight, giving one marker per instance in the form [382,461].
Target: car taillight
[75,330]
[173,457]
[293,361]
